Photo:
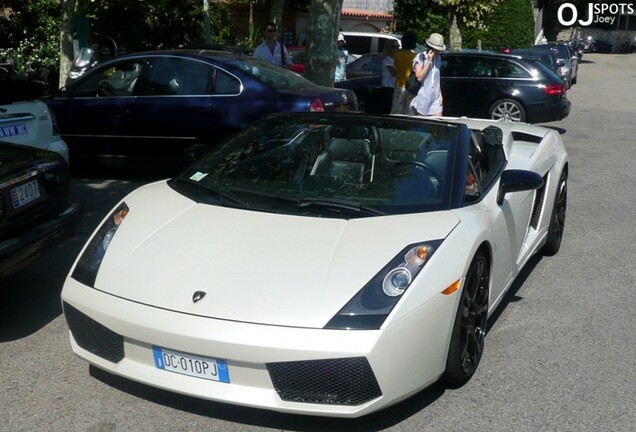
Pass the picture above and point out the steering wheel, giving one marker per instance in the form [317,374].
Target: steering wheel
[420,166]
[105,90]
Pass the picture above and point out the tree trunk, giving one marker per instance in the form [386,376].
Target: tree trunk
[322,36]
[277,7]
[66,40]
[455,36]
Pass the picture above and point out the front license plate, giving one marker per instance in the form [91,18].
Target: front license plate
[25,194]
[191,365]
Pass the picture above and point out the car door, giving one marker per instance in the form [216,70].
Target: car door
[510,218]
[171,107]
[473,84]
[466,85]
[93,113]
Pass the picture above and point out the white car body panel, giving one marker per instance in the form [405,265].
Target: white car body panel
[30,124]
[248,347]
[321,263]
[273,281]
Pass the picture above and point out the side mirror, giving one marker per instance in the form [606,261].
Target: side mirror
[560,62]
[83,58]
[517,181]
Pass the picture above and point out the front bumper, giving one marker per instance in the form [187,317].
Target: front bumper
[19,249]
[279,368]
[59,146]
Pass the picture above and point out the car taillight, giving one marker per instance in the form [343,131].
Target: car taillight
[317,106]
[555,90]
[54,128]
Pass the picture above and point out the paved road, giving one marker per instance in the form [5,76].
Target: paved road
[560,356]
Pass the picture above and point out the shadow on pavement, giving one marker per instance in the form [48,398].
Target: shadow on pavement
[512,296]
[270,419]
[30,298]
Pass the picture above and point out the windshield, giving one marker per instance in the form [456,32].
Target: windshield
[564,52]
[270,74]
[546,71]
[334,166]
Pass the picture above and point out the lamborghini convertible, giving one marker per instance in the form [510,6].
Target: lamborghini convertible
[320,264]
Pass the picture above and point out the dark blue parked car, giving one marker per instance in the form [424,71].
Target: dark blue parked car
[157,104]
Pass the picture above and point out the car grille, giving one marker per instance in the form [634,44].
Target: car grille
[347,381]
[94,337]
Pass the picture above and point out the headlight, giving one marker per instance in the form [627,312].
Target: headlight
[88,265]
[369,308]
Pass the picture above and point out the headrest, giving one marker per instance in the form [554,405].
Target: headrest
[349,132]
[353,150]
[117,75]
[493,135]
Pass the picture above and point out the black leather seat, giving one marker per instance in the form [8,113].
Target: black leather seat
[346,160]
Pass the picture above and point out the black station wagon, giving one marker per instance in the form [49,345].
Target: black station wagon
[501,86]
[481,85]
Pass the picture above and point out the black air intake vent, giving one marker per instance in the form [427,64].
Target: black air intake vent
[347,381]
[538,204]
[94,337]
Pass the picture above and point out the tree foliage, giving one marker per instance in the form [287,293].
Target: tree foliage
[151,24]
[29,34]
[496,23]
[470,13]
[423,17]
[511,26]
[435,16]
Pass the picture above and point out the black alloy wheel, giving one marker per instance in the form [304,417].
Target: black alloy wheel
[469,331]
[557,220]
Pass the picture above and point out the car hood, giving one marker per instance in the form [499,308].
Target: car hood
[254,267]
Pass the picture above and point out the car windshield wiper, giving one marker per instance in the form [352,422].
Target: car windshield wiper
[222,196]
[263,194]
[340,204]
[333,203]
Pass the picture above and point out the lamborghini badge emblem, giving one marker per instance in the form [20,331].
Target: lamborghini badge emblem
[198,295]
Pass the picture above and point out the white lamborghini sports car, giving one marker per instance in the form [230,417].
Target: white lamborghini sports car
[320,264]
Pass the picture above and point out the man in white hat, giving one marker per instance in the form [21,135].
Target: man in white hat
[428,101]
[342,58]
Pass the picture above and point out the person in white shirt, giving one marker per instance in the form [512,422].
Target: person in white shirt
[270,49]
[388,75]
[428,101]
[342,59]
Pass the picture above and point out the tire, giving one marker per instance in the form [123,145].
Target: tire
[469,330]
[507,109]
[557,218]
